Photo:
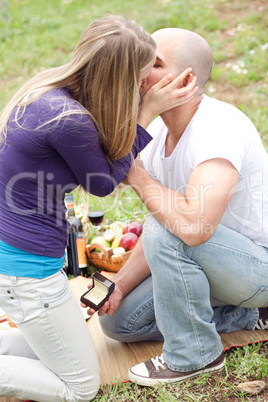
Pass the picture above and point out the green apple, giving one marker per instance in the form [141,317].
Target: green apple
[100,240]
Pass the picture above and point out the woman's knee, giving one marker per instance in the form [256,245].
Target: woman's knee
[89,389]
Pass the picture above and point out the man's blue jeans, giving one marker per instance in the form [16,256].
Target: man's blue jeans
[193,293]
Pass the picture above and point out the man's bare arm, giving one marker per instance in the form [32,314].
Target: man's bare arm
[194,215]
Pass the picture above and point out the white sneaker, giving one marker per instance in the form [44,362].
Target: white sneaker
[155,371]
[262,322]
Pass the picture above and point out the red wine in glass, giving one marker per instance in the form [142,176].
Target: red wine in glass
[96,217]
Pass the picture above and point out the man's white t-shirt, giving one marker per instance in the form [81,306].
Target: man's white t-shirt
[217,130]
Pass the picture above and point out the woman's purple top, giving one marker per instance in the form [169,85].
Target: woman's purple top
[41,161]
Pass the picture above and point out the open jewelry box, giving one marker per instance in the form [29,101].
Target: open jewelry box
[101,289]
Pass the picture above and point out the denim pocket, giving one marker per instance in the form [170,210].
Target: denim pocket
[259,299]
[53,289]
[10,303]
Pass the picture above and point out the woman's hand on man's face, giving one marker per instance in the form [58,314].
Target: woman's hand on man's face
[167,94]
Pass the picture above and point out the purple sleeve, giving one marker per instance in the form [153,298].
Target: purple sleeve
[77,141]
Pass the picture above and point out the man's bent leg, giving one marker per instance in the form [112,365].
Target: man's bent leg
[237,269]
[236,256]
[134,320]
[182,301]
[231,318]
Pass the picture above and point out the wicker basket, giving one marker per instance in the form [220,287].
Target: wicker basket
[105,259]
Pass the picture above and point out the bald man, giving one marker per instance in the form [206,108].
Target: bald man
[201,266]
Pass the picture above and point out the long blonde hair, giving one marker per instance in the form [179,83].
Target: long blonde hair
[103,76]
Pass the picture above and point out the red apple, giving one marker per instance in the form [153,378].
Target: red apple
[128,241]
[134,227]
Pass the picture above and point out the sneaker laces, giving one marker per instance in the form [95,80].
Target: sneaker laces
[159,361]
[262,324]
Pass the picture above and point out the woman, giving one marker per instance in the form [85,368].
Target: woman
[71,125]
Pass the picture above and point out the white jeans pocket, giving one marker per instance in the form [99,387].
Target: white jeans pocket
[10,303]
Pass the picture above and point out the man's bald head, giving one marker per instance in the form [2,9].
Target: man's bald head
[186,49]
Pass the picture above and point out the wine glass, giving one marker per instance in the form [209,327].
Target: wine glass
[96,217]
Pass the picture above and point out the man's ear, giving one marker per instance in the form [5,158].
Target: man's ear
[187,80]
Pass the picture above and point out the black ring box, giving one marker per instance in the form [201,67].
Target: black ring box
[99,293]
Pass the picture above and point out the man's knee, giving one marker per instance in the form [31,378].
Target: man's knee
[113,328]
[107,325]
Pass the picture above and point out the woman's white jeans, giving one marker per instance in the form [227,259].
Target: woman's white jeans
[51,358]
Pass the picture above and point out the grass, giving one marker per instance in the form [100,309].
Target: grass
[242,364]
[35,35]
[38,35]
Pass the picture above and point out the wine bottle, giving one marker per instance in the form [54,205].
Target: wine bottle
[76,245]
